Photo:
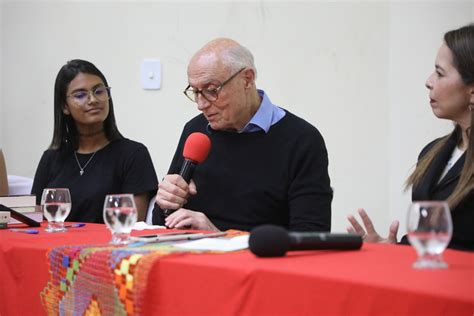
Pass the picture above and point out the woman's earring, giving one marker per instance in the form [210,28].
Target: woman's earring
[67,133]
[471,101]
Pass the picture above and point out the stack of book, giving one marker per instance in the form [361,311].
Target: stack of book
[25,204]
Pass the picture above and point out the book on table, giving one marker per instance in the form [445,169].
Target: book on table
[36,216]
[25,204]
[20,203]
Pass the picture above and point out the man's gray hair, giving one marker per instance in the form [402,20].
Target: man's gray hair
[238,57]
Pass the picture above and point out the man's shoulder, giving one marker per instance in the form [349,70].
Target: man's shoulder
[297,125]
[196,124]
[197,121]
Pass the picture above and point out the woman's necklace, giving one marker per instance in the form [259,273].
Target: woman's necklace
[81,168]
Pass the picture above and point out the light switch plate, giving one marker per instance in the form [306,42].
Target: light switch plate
[151,74]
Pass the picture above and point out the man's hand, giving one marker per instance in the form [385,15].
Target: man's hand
[187,219]
[173,192]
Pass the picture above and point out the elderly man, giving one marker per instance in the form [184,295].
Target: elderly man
[266,165]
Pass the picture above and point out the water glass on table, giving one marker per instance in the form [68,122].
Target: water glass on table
[120,215]
[429,229]
[56,205]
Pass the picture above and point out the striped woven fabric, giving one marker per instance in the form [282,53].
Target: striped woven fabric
[102,279]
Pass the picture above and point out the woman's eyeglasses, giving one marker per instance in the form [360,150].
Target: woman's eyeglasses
[82,97]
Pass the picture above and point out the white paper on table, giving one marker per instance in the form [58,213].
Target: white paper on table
[217,244]
[143,225]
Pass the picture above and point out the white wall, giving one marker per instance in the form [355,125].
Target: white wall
[340,65]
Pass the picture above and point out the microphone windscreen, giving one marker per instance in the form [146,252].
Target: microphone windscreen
[197,147]
[269,241]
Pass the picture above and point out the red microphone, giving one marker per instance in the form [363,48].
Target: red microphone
[196,149]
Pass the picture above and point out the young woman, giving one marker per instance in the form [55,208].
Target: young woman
[445,169]
[88,154]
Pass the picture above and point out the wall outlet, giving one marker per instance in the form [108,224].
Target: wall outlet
[151,74]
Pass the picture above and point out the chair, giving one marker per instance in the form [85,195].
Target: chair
[3,176]
[18,185]
[149,214]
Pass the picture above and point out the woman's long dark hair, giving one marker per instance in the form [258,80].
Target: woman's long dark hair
[65,135]
[461,44]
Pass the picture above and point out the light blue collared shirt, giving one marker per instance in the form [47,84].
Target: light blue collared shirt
[267,115]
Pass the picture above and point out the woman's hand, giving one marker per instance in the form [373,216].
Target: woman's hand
[369,234]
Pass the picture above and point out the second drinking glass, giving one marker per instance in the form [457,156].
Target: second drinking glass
[120,214]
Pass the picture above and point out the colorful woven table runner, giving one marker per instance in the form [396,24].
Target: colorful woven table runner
[102,279]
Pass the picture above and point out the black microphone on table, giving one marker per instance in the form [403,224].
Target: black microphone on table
[195,151]
[275,241]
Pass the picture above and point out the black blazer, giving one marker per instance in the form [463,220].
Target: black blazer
[429,189]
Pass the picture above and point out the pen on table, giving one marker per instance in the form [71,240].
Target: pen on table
[77,225]
[190,236]
[177,237]
[26,231]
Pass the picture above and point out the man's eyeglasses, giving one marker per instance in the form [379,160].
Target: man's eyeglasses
[210,95]
[82,97]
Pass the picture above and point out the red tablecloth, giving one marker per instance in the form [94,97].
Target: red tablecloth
[376,280]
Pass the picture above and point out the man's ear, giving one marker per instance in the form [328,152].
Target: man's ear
[249,75]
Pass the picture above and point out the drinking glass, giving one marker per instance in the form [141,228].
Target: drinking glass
[120,214]
[430,229]
[56,205]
